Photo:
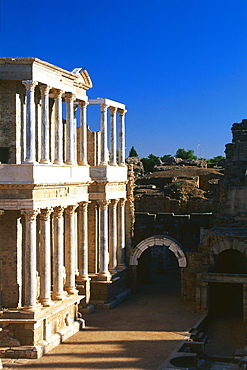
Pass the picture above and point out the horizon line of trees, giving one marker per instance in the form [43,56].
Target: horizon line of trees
[149,162]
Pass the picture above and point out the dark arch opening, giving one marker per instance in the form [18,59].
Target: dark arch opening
[231,261]
[158,265]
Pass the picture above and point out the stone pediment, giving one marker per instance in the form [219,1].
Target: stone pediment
[83,78]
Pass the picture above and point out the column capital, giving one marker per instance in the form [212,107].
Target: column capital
[57,93]
[83,205]
[58,211]
[45,213]
[103,204]
[122,112]
[70,209]
[44,89]
[113,110]
[30,215]
[69,97]
[114,202]
[83,104]
[30,84]
[103,107]
[122,201]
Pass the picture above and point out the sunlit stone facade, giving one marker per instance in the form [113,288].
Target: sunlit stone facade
[62,203]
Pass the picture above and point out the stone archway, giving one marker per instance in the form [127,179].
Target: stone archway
[227,243]
[161,240]
[156,240]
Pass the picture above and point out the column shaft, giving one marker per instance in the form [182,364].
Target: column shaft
[30,121]
[121,147]
[58,127]
[70,249]
[113,236]
[70,129]
[83,240]
[121,235]
[113,141]
[83,134]
[103,130]
[44,89]
[45,257]
[58,254]
[103,273]
[30,283]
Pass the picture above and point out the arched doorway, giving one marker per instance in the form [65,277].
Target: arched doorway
[157,260]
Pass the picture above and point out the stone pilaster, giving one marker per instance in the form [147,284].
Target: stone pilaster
[113,236]
[103,129]
[44,90]
[245,302]
[70,129]
[45,257]
[113,136]
[58,127]
[121,235]
[30,258]
[70,249]
[83,133]
[30,121]
[58,254]
[103,273]
[121,134]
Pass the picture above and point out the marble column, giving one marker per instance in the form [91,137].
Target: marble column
[70,129]
[58,254]
[30,258]
[103,130]
[57,94]
[45,257]
[113,236]
[30,121]
[113,136]
[121,235]
[83,133]
[121,133]
[44,90]
[70,249]
[103,273]
[83,241]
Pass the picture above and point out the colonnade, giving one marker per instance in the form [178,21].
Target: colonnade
[60,245]
[52,148]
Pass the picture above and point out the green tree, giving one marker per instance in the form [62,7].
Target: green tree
[133,152]
[185,154]
[213,161]
[149,162]
[166,156]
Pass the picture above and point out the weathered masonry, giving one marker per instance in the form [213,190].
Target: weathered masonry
[62,203]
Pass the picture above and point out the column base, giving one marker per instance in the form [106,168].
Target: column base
[83,164]
[46,302]
[71,163]
[44,161]
[59,296]
[58,162]
[121,267]
[71,290]
[104,276]
[31,308]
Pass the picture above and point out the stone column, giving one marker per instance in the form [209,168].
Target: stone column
[70,249]
[44,90]
[30,121]
[83,133]
[83,241]
[113,139]
[30,255]
[58,254]
[113,236]
[70,129]
[202,297]
[103,273]
[121,235]
[45,257]
[58,127]
[103,130]
[121,160]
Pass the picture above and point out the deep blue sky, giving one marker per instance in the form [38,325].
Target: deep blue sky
[180,66]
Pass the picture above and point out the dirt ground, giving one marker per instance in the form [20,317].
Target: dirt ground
[139,334]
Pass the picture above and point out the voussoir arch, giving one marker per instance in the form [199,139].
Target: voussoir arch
[228,243]
[161,240]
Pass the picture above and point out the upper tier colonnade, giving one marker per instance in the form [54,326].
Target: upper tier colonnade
[53,141]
